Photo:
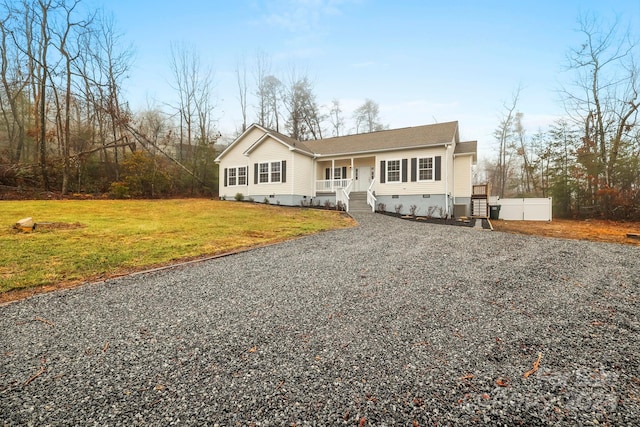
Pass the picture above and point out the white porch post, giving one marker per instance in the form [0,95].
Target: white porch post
[333,165]
[352,171]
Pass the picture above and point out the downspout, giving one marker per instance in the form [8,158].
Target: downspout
[446,178]
[293,175]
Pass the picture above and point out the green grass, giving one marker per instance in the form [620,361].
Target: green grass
[113,237]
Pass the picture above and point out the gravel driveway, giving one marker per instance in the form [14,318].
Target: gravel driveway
[390,323]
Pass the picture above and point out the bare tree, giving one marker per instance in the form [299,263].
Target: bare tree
[367,117]
[185,65]
[241,79]
[305,119]
[504,136]
[261,70]
[336,117]
[604,97]
[193,83]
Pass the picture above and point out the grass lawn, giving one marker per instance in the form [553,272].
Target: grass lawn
[94,239]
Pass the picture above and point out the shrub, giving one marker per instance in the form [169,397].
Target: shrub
[340,206]
[328,204]
[430,211]
[442,212]
[413,209]
[382,207]
[119,190]
[239,197]
[398,208]
[266,201]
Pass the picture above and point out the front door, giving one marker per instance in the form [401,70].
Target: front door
[362,178]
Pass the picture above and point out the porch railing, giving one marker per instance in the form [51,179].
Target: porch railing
[342,195]
[371,199]
[331,185]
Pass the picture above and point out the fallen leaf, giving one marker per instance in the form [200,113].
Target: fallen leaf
[363,422]
[253,349]
[536,365]
[485,396]
[502,382]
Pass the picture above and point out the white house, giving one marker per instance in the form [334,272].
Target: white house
[425,166]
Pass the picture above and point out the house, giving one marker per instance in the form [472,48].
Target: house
[424,166]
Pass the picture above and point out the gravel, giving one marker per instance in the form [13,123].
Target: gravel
[390,323]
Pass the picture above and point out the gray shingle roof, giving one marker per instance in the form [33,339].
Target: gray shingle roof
[467,147]
[410,137]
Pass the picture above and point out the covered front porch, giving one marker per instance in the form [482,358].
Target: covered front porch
[340,177]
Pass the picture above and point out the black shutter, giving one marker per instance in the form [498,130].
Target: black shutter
[255,173]
[247,178]
[414,169]
[284,171]
[327,173]
[382,172]
[344,172]
[404,170]
[225,177]
[438,167]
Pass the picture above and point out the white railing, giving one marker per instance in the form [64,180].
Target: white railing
[371,199]
[331,185]
[342,196]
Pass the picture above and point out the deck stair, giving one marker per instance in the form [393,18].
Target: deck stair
[358,202]
[480,201]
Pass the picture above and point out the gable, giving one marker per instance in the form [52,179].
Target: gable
[243,142]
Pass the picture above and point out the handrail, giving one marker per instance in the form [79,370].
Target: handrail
[343,195]
[371,199]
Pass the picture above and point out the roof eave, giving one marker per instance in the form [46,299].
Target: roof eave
[384,150]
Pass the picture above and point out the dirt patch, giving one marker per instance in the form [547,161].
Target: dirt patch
[591,229]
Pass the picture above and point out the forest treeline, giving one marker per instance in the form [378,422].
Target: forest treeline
[588,161]
[65,125]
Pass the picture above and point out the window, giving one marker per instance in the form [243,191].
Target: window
[270,172]
[425,169]
[337,173]
[263,172]
[393,171]
[236,176]
[242,175]
[232,176]
[275,171]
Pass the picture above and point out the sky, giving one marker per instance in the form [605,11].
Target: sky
[422,61]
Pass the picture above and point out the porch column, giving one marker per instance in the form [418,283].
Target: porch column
[331,176]
[352,171]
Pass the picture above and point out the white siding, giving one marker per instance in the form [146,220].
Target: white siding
[302,179]
[425,187]
[234,158]
[462,176]
[271,150]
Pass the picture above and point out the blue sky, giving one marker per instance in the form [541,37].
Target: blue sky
[421,61]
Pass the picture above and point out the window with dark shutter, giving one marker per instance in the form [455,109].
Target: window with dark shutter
[255,173]
[225,177]
[284,171]
[438,163]
[383,172]
[414,169]
[404,170]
